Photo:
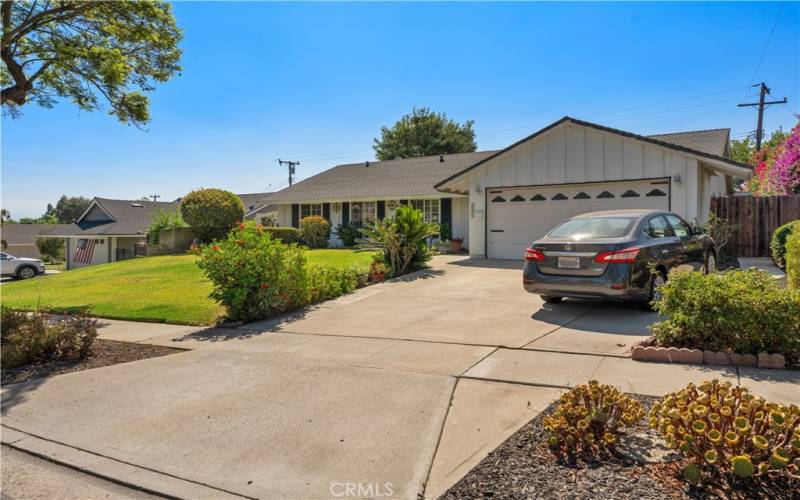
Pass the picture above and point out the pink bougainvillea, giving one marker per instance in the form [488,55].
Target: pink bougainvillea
[777,168]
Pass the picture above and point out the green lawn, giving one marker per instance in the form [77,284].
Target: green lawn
[169,289]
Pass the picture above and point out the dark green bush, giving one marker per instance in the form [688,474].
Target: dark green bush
[777,245]
[349,233]
[402,240]
[326,282]
[51,249]
[285,234]
[743,311]
[32,338]
[793,262]
[211,213]
[315,231]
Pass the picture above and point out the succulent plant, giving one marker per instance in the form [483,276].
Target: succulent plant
[590,417]
[725,428]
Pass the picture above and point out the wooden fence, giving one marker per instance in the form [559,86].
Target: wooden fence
[757,218]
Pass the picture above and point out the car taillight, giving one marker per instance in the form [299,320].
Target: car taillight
[620,256]
[534,255]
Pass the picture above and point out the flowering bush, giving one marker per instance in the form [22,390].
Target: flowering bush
[315,231]
[254,275]
[743,311]
[725,428]
[777,168]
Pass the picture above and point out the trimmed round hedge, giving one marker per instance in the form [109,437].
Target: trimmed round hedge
[777,245]
[211,213]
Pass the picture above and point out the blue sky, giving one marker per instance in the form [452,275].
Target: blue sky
[315,82]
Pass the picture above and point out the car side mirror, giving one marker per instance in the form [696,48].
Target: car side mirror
[698,230]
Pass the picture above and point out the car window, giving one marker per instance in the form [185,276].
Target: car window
[3,256]
[681,228]
[657,227]
[597,227]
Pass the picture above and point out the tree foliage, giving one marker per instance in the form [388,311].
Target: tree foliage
[777,165]
[424,133]
[162,221]
[211,213]
[69,208]
[51,249]
[94,54]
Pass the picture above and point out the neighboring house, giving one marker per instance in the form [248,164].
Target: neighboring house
[257,205]
[21,238]
[110,230]
[517,194]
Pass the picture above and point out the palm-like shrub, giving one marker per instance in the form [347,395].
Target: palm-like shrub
[315,231]
[725,428]
[590,417]
[162,221]
[212,213]
[401,239]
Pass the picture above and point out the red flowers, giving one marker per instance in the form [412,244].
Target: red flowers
[241,225]
[264,286]
[215,248]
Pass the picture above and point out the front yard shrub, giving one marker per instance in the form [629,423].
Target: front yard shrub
[211,213]
[777,244]
[315,231]
[162,221]
[325,282]
[254,275]
[401,239]
[793,261]
[285,234]
[723,428]
[590,417]
[349,233]
[33,338]
[51,249]
[743,311]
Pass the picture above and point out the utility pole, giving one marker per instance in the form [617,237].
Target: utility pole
[761,105]
[291,164]
[155,196]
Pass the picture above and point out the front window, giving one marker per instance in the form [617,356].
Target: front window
[363,212]
[598,227]
[429,208]
[309,209]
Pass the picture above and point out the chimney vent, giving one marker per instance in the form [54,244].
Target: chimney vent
[366,163]
[441,158]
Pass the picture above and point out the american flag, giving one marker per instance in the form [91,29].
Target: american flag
[83,254]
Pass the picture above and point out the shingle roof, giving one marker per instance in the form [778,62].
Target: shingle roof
[25,234]
[403,177]
[713,141]
[130,218]
[251,201]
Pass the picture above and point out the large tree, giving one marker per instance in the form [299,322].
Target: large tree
[98,54]
[69,208]
[424,133]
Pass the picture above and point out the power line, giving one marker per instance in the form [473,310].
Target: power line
[762,104]
[766,46]
[291,164]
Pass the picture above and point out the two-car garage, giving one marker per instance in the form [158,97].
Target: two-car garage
[518,215]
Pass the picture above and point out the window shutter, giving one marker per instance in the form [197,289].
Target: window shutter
[326,211]
[295,215]
[446,216]
[404,202]
[381,210]
[345,212]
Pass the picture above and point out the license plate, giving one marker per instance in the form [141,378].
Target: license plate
[569,262]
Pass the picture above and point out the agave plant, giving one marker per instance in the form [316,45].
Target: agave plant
[590,418]
[725,428]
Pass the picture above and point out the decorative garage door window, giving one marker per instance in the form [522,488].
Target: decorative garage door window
[630,194]
[518,198]
[309,209]
[498,199]
[430,209]
[656,192]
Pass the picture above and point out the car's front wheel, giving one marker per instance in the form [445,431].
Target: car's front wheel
[710,264]
[550,299]
[26,272]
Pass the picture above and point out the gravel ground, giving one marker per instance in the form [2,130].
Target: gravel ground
[524,467]
[104,353]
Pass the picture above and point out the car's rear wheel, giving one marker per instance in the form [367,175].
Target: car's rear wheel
[551,299]
[658,279]
[710,265]
[26,272]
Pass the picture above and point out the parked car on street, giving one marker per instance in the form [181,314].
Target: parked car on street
[20,267]
[609,255]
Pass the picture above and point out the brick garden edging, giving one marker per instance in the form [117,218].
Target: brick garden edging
[699,356]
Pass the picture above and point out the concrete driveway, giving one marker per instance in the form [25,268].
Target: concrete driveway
[396,390]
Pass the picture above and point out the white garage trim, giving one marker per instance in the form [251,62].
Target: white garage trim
[517,215]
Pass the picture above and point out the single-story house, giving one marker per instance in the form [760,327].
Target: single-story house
[20,239]
[499,201]
[112,230]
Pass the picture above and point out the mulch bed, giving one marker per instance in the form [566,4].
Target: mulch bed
[524,467]
[104,353]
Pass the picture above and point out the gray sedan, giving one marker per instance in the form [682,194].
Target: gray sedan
[609,255]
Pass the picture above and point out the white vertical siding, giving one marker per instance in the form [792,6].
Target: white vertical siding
[461,219]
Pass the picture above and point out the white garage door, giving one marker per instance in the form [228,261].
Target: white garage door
[518,216]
